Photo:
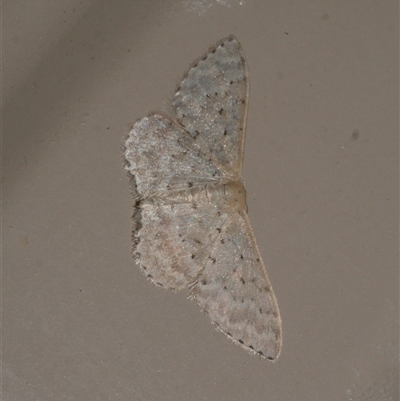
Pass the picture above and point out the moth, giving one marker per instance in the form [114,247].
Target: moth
[191,228]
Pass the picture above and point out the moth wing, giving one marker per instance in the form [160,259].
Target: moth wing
[173,241]
[211,103]
[160,155]
[234,290]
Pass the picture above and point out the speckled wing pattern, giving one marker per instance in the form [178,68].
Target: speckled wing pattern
[161,156]
[211,103]
[191,226]
[235,291]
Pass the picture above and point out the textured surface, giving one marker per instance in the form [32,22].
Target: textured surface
[234,290]
[211,103]
[191,227]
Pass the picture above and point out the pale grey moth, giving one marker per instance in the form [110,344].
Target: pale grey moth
[191,226]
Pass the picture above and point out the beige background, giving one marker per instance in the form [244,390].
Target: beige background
[80,321]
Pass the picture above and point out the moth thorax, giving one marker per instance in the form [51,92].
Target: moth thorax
[235,194]
[232,194]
